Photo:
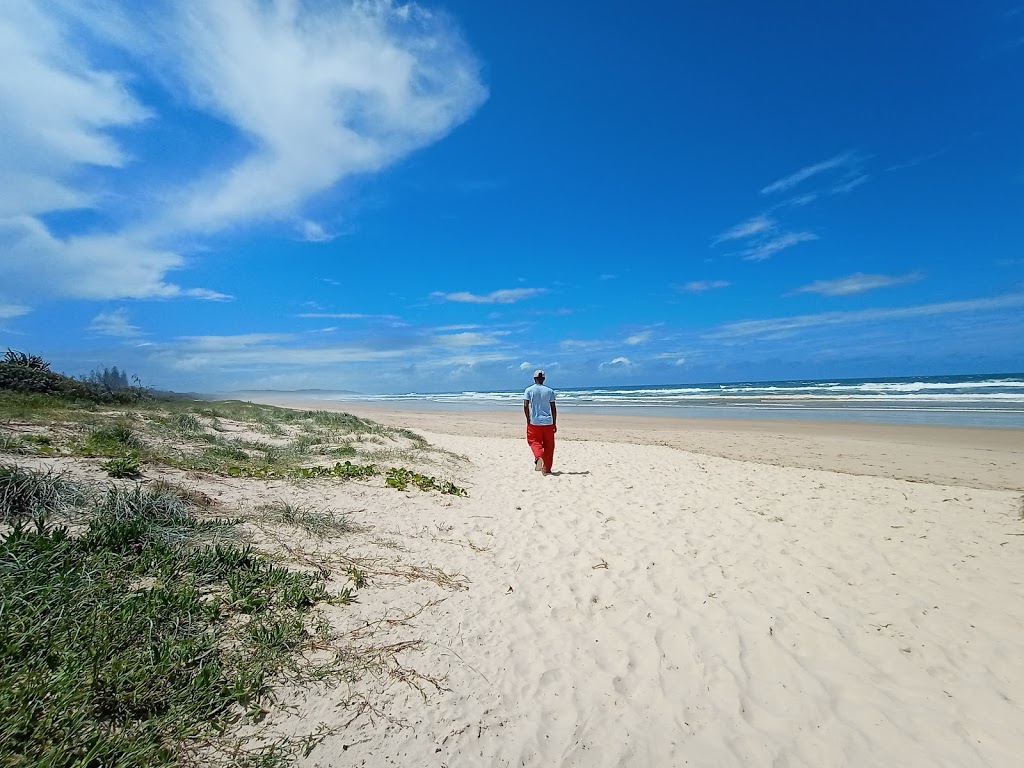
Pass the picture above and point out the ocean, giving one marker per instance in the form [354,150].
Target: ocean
[990,400]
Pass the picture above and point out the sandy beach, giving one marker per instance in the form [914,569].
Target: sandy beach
[703,594]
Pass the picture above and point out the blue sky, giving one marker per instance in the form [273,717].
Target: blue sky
[445,196]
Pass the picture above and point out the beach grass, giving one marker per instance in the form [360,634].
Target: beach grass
[318,523]
[216,437]
[138,639]
[139,628]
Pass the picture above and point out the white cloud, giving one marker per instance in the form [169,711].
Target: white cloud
[262,357]
[747,228]
[206,294]
[312,232]
[696,286]
[802,200]
[638,338]
[239,341]
[619,363]
[917,160]
[852,183]
[345,316]
[769,248]
[582,344]
[316,92]
[7,311]
[676,358]
[526,365]
[325,91]
[505,296]
[844,160]
[57,111]
[114,323]
[751,328]
[90,267]
[857,283]
[468,339]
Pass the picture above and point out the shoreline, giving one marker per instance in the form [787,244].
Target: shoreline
[937,414]
[975,457]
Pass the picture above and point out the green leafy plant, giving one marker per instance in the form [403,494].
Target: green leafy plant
[125,466]
[357,577]
[400,478]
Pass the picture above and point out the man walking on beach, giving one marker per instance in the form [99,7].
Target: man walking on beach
[541,418]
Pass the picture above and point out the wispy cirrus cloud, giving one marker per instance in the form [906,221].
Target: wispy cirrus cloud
[768,248]
[469,339]
[639,338]
[236,341]
[755,328]
[857,283]
[114,323]
[849,184]
[345,316]
[916,161]
[699,286]
[8,311]
[460,327]
[311,93]
[752,226]
[845,160]
[582,344]
[267,352]
[504,296]
[327,90]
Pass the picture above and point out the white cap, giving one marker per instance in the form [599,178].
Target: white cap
[538,374]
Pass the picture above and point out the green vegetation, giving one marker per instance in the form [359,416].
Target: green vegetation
[25,360]
[26,495]
[396,477]
[138,629]
[134,642]
[13,444]
[317,523]
[400,478]
[126,466]
[357,577]
[30,374]
[113,440]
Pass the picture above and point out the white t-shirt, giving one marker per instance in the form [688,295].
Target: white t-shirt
[540,399]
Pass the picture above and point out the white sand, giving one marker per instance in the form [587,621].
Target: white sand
[704,594]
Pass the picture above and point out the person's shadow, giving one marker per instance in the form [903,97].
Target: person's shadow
[557,474]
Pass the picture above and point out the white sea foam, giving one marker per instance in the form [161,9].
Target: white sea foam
[1002,394]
